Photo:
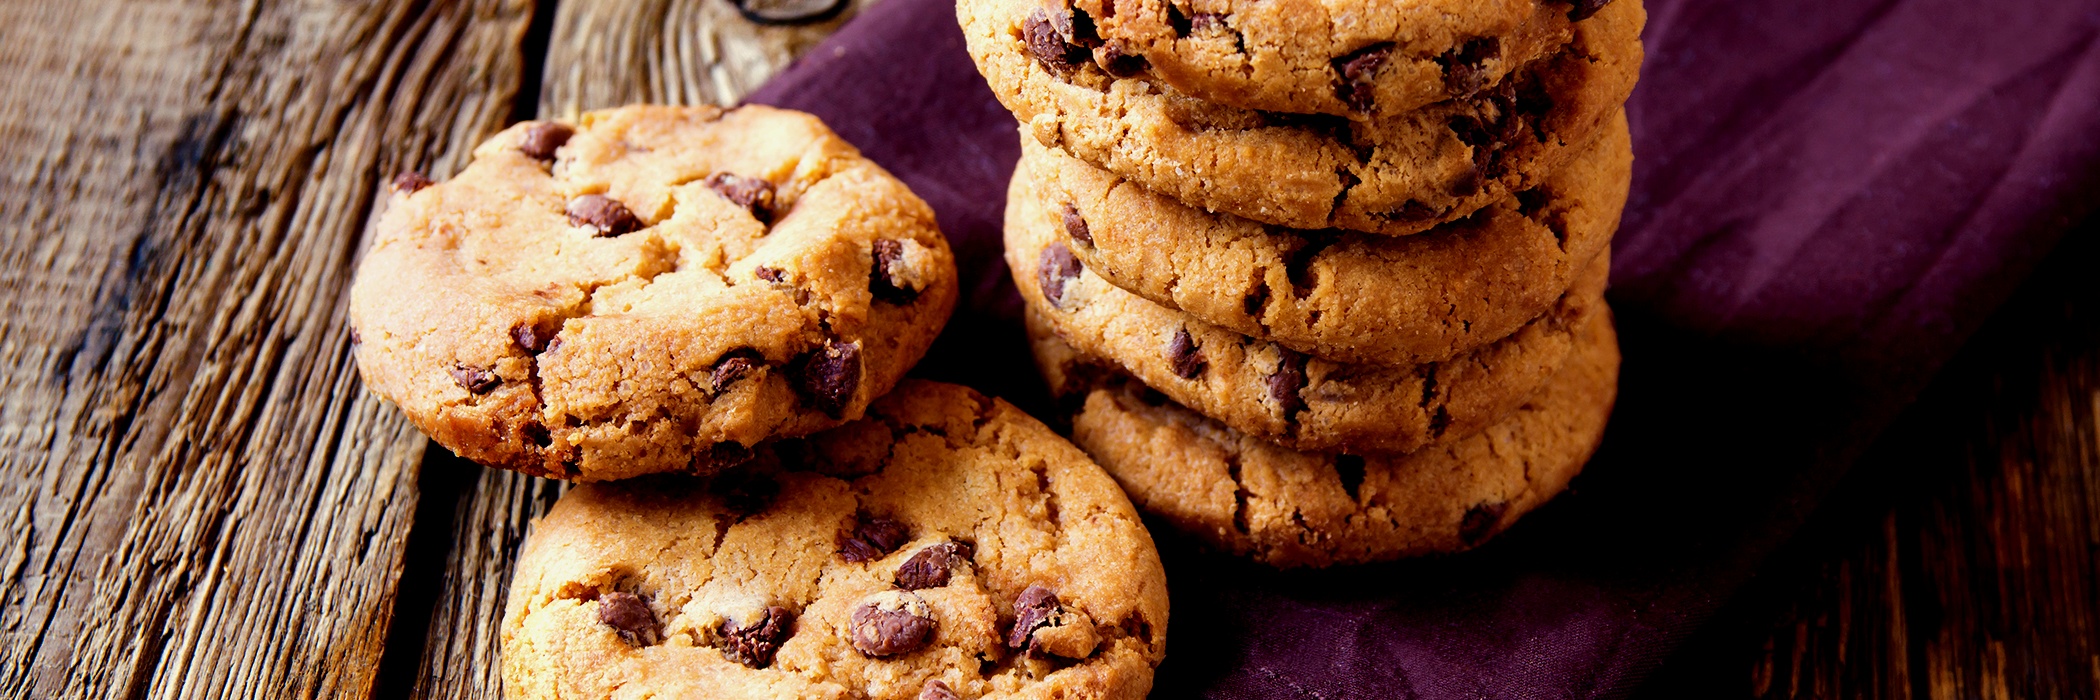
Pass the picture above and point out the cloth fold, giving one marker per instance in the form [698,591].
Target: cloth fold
[1829,199]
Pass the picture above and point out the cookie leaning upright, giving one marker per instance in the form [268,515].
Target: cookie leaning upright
[946,545]
[649,289]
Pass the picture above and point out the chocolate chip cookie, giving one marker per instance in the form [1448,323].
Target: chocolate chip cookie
[1349,297]
[648,289]
[1360,59]
[1265,389]
[1398,174]
[1288,509]
[944,546]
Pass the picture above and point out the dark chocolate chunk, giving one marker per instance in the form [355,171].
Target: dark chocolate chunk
[1355,86]
[408,182]
[1075,226]
[1033,610]
[1047,45]
[788,12]
[828,377]
[1117,60]
[936,690]
[1480,520]
[891,623]
[1075,26]
[1056,267]
[1285,384]
[533,338]
[1585,8]
[477,380]
[604,215]
[769,274]
[1206,21]
[1183,356]
[753,194]
[932,566]
[754,644]
[541,140]
[1465,67]
[629,616]
[733,365]
[872,538]
[882,279]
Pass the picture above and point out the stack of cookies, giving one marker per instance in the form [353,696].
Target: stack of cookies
[1321,282]
[707,313]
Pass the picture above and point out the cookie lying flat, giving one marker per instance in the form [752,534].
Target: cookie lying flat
[946,543]
[1287,509]
[1362,59]
[1262,388]
[1349,297]
[1396,175]
[651,289]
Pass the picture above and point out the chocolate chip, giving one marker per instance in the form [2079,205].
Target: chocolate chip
[531,337]
[408,182]
[936,690]
[1047,45]
[1183,356]
[769,274]
[1481,520]
[744,492]
[1057,267]
[1465,66]
[1075,27]
[604,215]
[541,140]
[891,623]
[356,338]
[932,566]
[478,380]
[828,377]
[1117,60]
[1034,611]
[1355,86]
[753,194]
[882,279]
[629,616]
[753,645]
[733,365]
[1075,226]
[1206,21]
[1585,8]
[1288,380]
[872,538]
[1350,468]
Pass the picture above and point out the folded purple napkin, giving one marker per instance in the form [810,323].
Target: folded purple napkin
[1830,197]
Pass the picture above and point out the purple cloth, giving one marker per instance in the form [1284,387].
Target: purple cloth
[1829,198]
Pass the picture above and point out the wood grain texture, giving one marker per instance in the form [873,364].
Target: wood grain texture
[599,54]
[202,502]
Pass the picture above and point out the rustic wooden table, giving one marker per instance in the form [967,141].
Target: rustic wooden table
[204,502]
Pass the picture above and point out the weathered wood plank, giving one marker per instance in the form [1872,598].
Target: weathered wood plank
[202,502]
[600,54]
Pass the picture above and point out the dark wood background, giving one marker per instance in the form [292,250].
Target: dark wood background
[202,501]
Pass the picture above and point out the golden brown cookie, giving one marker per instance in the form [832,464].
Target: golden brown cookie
[1398,174]
[1361,59]
[1350,297]
[945,542]
[649,289]
[1265,389]
[1289,509]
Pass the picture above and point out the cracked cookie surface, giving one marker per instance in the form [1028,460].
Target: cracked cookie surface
[1349,297]
[945,543]
[649,289]
[1078,322]
[1399,174]
[1360,59]
[1252,498]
